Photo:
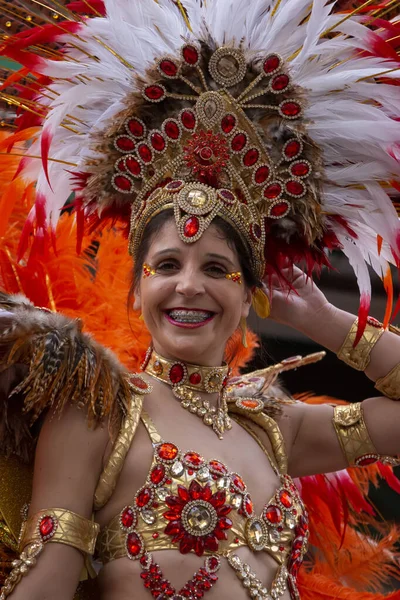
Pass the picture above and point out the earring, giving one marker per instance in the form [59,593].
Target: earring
[243,327]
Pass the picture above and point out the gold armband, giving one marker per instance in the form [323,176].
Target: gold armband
[354,438]
[51,525]
[389,385]
[359,357]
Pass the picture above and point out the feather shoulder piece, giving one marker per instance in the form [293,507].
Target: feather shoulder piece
[46,361]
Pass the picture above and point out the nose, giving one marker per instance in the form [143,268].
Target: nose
[190,283]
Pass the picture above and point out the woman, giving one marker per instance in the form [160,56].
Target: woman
[228,178]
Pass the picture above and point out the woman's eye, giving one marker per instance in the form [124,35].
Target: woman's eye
[216,271]
[167,267]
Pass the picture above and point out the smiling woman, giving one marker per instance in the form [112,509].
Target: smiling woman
[231,141]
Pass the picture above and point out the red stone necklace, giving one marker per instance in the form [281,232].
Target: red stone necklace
[185,379]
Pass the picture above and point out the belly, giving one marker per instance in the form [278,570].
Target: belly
[120,579]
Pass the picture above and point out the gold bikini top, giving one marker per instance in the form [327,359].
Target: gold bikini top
[194,504]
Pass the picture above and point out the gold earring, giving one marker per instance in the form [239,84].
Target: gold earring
[141,317]
[243,327]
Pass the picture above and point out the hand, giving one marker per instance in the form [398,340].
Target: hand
[304,307]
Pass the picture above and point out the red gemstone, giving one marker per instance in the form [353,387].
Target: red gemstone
[188,119]
[297,544]
[238,482]
[228,196]
[300,169]
[171,129]
[154,92]
[272,191]
[167,451]
[47,526]
[271,64]
[296,188]
[213,563]
[121,165]
[285,499]
[123,183]
[133,544]
[139,383]
[176,373]
[144,497]
[191,227]
[290,109]
[157,141]
[251,157]
[248,506]
[273,514]
[157,474]
[280,82]
[190,55]
[292,149]
[255,231]
[228,123]
[136,128]
[127,517]
[279,210]
[133,165]
[239,142]
[125,144]
[195,378]
[262,174]
[367,460]
[194,459]
[218,467]
[169,68]
[145,153]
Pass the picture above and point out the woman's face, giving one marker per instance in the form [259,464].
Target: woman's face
[189,306]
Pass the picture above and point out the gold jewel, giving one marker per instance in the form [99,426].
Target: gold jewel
[389,385]
[243,327]
[236,277]
[186,379]
[354,438]
[261,303]
[21,567]
[359,357]
[254,586]
[148,271]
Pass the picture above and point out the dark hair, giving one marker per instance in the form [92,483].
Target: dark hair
[227,232]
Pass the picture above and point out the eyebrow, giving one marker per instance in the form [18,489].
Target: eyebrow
[167,251]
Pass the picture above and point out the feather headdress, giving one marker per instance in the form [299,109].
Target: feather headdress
[281,116]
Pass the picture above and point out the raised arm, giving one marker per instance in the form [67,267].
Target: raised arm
[316,444]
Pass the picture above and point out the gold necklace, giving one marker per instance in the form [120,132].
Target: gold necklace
[186,379]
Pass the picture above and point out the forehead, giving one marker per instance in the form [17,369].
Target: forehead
[212,241]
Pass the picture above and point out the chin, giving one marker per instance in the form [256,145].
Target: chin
[191,348]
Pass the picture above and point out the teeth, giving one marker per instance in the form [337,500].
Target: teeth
[189,316]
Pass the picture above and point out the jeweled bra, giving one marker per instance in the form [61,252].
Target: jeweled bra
[198,505]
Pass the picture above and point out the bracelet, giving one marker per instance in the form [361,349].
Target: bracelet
[359,357]
[389,385]
[51,525]
[354,438]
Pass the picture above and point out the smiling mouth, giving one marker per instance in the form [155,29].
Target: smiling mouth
[183,316]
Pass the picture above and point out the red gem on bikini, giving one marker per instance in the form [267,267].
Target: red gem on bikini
[125,144]
[190,55]
[271,64]
[251,157]
[248,506]
[285,499]
[134,544]
[228,123]
[127,517]
[169,68]
[136,128]
[188,119]
[154,93]
[217,467]
[238,482]
[144,497]
[193,459]
[157,141]
[167,451]
[47,527]
[176,373]
[273,514]
[191,227]
[366,459]
[139,383]
[157,474]
[195,378]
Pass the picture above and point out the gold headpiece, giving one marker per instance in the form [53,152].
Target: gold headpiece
[230,144]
